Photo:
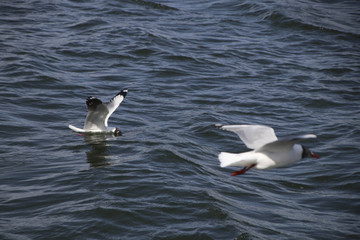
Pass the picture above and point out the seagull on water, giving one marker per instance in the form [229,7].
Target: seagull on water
[98,115]
[268,151]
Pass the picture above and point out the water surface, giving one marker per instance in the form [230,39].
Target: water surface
[292,65]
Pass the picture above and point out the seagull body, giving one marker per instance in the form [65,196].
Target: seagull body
[98,114]
[268,151]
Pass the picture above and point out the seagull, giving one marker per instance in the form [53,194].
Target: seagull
[98,114]
[268,151]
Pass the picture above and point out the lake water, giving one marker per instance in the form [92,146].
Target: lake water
[292,65]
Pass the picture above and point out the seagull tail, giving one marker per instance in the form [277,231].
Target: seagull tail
[235,159]
[75,129]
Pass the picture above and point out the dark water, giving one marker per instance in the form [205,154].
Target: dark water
[292,65]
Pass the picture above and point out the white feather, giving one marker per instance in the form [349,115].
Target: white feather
[254,136]
[269,152]
[98,114]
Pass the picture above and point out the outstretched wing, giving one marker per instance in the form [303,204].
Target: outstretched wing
[254,136]
[284,144]
[114,104]
[97,113]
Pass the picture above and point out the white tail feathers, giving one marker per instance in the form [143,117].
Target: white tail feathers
[75,129]
[236,159]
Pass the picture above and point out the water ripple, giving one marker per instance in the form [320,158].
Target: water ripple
[188,66]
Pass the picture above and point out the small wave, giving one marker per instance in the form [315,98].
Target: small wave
[155,5]
[318,16]
[88,24]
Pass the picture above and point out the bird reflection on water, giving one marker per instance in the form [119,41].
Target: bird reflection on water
[98,155]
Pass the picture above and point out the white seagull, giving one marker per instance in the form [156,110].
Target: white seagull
[98,114]
[269,151]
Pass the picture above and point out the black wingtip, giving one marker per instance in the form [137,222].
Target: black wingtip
[218,125]
[123,92]
[92,102]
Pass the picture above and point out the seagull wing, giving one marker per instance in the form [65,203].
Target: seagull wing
[284,144]
[96,116]
[254,136]
[114,104]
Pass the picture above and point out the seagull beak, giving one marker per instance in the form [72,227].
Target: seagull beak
[314,155]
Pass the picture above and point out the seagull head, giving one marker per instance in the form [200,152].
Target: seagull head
[308,153]
[117,132]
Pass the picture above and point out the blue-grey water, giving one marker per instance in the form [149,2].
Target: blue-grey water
[292,65]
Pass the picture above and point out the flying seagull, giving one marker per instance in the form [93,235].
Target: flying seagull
[268,151]
[98,114]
